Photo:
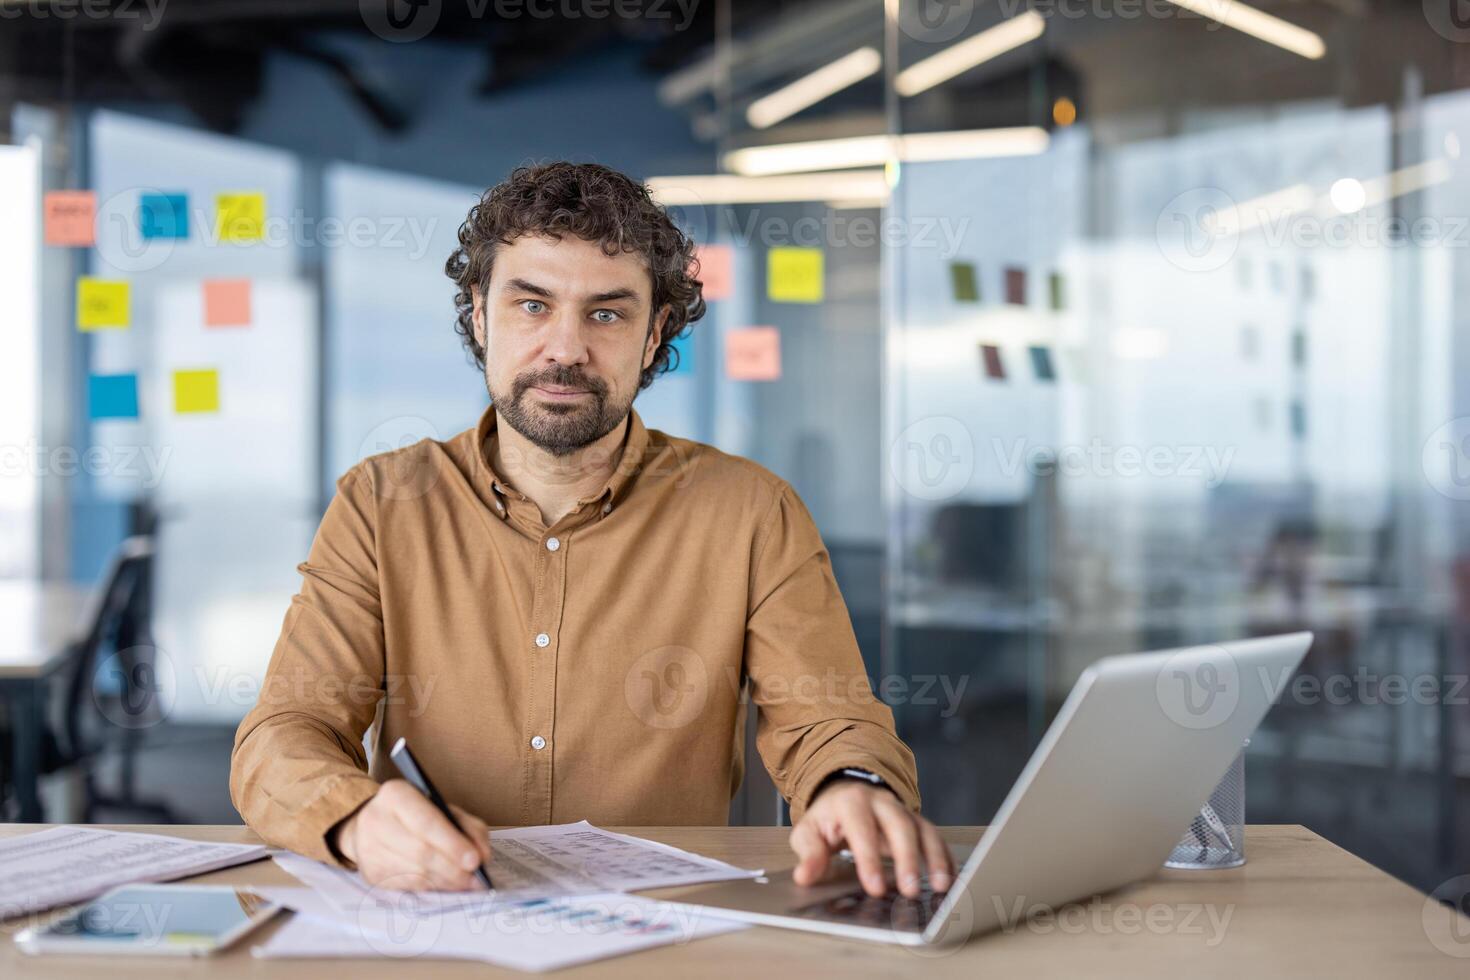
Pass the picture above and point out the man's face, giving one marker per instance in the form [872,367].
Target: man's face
[566,334]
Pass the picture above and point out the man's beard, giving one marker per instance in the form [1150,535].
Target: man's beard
[560,428]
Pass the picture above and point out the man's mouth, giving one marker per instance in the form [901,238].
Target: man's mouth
[559,393]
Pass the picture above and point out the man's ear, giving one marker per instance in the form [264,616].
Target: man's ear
[478,298]
[656,335]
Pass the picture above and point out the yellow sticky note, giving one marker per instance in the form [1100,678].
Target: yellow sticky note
[240,215]
[196,391]
[794,275]
[103,304]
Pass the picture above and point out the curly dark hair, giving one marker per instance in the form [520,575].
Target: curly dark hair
[594,203]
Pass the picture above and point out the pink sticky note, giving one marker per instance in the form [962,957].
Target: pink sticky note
[715,262]
[227,302]
[70,217]
[753,354]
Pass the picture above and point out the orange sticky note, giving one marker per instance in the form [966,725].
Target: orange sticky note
[196,391]
[753,354]
[70,217]
[715,263]
[227,302]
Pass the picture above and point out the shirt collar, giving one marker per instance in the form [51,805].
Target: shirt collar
[635,445]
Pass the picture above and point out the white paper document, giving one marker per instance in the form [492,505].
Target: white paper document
[71,864]
[531,863]
[533,935]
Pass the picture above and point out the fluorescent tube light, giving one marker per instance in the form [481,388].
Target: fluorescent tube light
[810,89]
[872,151]
[701,189]
[1259,24]
[972,51]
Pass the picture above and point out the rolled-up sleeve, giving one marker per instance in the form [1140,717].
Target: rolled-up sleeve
[298,766]
[817,711]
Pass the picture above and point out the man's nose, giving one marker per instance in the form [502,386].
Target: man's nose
[564,341]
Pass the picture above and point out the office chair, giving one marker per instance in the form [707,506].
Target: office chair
[96,718]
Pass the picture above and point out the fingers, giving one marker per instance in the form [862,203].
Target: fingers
[476,830]
[936,856]
[812,852]
[860,828]
[902,835]
[872,823]
[403,842]
[424,821]
[404,857]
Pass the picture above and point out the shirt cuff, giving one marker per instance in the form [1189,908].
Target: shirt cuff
[806,789]
[338,798]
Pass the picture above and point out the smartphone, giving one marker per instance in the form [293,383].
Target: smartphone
[153,920]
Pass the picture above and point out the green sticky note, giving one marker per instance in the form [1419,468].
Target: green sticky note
[965,282]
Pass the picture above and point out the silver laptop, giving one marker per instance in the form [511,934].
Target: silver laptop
[1130,759]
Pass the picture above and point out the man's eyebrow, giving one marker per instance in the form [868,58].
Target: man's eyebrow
[612,295]
[519,285]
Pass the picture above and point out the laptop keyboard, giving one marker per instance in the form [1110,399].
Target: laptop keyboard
[891,911]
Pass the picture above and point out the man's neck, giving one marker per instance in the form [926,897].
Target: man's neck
[555,483]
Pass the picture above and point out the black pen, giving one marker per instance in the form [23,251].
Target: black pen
[414,773]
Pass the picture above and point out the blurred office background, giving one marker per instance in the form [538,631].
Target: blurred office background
[1088,327]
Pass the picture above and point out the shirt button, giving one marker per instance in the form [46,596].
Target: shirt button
[552,544]
[538,743]
[542,640]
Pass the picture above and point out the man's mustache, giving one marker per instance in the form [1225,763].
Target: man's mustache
[560,378]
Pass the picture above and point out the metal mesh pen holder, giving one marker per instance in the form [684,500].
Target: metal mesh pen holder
[1216,836]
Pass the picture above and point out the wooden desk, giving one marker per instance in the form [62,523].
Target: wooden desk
[37,622]
[1299,907]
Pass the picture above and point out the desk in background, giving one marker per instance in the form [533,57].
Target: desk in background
[1299,907]
[37,622]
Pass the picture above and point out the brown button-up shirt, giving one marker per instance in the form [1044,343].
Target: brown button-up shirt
[597,668]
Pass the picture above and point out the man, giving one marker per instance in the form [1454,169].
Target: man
[560,608]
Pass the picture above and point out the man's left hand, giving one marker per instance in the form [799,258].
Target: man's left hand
[871,822]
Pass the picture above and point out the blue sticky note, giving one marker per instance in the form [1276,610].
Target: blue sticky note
[164,215]
[1041,364]
[112,396]
[685,347]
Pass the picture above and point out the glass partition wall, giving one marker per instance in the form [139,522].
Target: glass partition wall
[1174,353]
[789,358]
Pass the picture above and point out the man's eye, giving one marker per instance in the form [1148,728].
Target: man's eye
[607,316]
[532,305]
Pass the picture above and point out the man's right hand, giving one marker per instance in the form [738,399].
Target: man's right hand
[399,840]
